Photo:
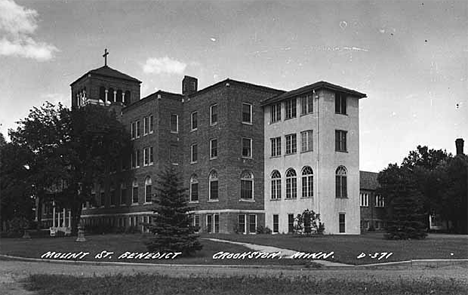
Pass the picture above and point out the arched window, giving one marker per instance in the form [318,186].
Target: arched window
[194,188]
[275,185]
[148,197]
[307,182]
[247,185]
[119,96]
[127,98]
[341,183]
[123,193]
[102,93]
[213,179]
[110,95]
[291,184]
[135,191]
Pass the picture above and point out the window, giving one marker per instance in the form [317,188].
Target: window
[194,120]
[135,191]
[291,144]
[275,223]
[213,181]
[174,123]
[151,122]
[364,200]
[340,141]
[340,103]
[148,197]
[290,223]
[241,223]
[133,130]
[379,201]
[113,200]
[196,222]
[247,147]
[275,112]
[151,158]
[307,182]
[138,129]
[194,153]
[102,195]
[342,222]
[307,106]
[145,126]
[291,108]
[123,194]
[247,113]
[341,183]
[247,185]
[93,198]
[275,185]
[252,223]
[291,184]
[194,188]
[209,223]
[216,223]
[275,146]
[148,156]
[214,114]
[213,148]
[136,158]
[306,141]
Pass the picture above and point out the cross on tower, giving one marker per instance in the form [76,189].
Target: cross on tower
[106,53]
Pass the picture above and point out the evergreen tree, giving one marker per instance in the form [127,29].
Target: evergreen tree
[172,223]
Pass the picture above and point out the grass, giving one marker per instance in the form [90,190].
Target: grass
[157,284]
[346,248]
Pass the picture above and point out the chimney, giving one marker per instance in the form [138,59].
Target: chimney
[189,85]
[459,144]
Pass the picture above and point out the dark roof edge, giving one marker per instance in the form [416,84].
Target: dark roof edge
[220,83]
[148,97]
[131,79]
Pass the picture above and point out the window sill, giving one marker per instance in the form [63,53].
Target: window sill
[341,114]
[194,162]
[341,198]
[308,151]
[214,124]
[247,123]
[310,113]
[245,157]
[194,202]
[193,130]
[147,203]
[342,152]
[134,204]
[307,198]
[213,201]
[291,154]
[275,200]
[247,200]
[174,132]
[289,118]
[290,199]
[273,157]
[214,158]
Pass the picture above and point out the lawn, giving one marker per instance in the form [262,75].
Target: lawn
[348,248]
[156,284]
[354,250]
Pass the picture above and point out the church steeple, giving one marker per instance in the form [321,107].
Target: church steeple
[106,53]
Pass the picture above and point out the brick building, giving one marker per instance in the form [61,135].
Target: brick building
[250,155]
[372,204]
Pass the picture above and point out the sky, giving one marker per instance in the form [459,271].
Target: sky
[409,57]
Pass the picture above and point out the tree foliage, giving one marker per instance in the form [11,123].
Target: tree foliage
[67,151]
[172,223]
[308,222]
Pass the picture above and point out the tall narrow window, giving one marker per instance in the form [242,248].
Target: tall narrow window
[275,112]
[307,105]
[275,223]
[213,181]
[216,223]
[194,153]
[148,196]
[342,222]
[291,184]
[194,121]
[247,113]
[341,183]
[174,123]
[364,200]
[246,185]
[123,193]
[133,130]
[113,200]
[291,144]
[138,131]
[194,188]
[379,201]
[306,141]
[275,185]
[307,182]
[252,223]
[209,223]
[340,141]
[291,108]
[102,196]
[137,158]
[145,156]
[214,114]
[275,146]
[340,103]
[290,223]
[247,147]
[241,223]
[151,157]
[145,125]
[151,122]
[135,191]
[213,148]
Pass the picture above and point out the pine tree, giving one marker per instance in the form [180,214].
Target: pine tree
[172,223]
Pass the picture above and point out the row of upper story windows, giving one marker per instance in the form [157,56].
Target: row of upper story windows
[307,183]
[246,117]
[246,182]
[148,127]
[364,200]
[306,143]
[306,105]
[213,152]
